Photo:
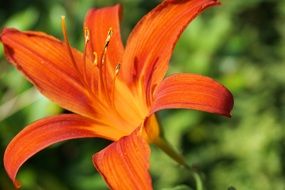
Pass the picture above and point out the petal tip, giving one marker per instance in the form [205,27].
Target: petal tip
[6,31]
[3,32]
[10,170]
[16,184]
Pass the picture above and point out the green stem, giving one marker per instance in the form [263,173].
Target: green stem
[166,147]
[198,181]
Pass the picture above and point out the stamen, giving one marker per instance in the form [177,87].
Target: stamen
[107,42]
[110,33]
[117,69]
[102,68]
[95,62]
[86,40]
[86,34]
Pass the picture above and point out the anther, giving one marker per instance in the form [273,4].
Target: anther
[109,35]
[107,41]
[95,62]
[117,69]
[86,34]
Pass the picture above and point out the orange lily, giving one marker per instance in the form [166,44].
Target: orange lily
[113,91]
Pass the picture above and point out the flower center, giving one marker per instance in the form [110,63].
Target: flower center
[100,79]
[112,98]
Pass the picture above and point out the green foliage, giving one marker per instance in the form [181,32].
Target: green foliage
[241,44]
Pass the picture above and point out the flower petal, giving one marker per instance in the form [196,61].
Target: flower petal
[151,43]
[48,131]
[98,22]
[193,92]
[45,61]
[124,164]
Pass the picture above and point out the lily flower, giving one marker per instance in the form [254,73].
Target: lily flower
[112,91]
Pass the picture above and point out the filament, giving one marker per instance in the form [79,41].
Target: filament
[117,70]
[102,67]
[86,40]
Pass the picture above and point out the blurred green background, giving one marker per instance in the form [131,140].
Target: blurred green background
[241,44]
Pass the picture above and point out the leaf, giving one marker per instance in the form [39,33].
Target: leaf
[23,20]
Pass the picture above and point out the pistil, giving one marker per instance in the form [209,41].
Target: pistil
[66,40]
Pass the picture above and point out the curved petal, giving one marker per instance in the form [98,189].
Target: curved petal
[124,164]
[45,61]
[98,22]
[193,92]
[151,128]
[48,131]
[151,43]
